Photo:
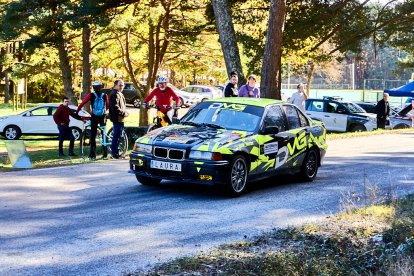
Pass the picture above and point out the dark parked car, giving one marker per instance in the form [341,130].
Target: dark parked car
[130,94]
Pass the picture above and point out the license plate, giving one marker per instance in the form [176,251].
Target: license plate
[163,165]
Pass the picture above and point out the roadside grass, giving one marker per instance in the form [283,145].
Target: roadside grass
[372,240]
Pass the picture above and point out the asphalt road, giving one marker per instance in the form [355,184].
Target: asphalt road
[96,219]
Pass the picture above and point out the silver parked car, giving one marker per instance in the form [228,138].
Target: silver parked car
[204,91]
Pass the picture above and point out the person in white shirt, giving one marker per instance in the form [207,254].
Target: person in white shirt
[299,97]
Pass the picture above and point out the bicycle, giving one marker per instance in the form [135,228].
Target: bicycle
[161,119]
[103,138]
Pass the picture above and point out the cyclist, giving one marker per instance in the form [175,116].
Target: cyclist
[99,107]
[164,95]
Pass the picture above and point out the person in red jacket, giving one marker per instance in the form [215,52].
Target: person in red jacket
[165,95]
[98,116]
[61,118]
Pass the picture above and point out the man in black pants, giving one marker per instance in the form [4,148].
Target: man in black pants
[61,118]
[98,114]
[383,111]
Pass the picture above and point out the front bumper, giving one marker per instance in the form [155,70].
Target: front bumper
[195,171]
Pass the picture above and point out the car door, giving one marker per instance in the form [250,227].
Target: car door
[299,132]
[339,117]
[39,121]
[316,109]
[273,146]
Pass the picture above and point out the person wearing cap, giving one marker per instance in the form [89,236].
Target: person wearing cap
[95,118]
[164,95]
[299,97]
[250,89]
[231,88]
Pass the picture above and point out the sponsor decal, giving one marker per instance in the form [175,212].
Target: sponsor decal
[180,140]
[270,148]
[230,106]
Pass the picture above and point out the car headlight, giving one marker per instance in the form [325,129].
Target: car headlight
[196,154]
[143,148]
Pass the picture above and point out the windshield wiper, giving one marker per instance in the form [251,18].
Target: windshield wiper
[190,123]
[212,125]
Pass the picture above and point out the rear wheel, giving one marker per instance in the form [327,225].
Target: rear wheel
[147,181]
[237,177]
[123,142]
[400,126]
[12,132]
[136,102]
[76,133]
[310,166]
[358,128]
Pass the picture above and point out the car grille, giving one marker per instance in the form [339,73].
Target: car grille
[167,153]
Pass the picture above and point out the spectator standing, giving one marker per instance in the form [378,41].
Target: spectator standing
[383,111]
[99,106]
[231,88]
[164,95]
[250,89]
[299,97]
[117,114]
[61,118]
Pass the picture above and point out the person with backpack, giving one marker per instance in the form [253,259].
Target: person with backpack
[99,107]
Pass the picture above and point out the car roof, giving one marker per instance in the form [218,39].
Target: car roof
[262,102]
[329,99]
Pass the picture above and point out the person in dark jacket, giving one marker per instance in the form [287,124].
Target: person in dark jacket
[231,88]
[96,119]
[117,113]
[383,111]
[61,118]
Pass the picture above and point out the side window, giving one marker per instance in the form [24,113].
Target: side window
[274,117]
[303,120]
[332,107]
[315,106]
[43,111]
[292,116]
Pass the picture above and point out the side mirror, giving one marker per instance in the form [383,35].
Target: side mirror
[270,130]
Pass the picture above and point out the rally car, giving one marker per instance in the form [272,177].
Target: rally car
[231,142]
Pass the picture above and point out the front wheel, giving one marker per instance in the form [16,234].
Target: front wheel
[76,132]
[147,181]
[237,177]
[310,166]
[12,132]
[123,142]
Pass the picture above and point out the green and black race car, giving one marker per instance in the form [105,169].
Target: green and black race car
[231,142]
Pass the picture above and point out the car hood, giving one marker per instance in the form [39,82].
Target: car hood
[370,115]
[182,136]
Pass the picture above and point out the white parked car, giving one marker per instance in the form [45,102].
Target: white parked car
[204,91]
[187,99]
[38,121]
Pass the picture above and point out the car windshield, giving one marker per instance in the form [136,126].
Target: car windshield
[354,108]
[224,115]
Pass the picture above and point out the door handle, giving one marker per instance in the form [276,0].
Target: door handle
[327,116]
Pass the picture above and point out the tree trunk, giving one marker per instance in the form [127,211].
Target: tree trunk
[310,77]
[86,61]
[271,78]
[7,87]
[228,41]
[65,69]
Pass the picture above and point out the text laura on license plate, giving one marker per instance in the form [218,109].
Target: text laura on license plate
[161,165]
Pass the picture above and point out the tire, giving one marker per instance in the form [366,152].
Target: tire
[77,133]
[147,181]
[204,99]
[236,181]
[12,132]
[358,128]
[310,166]
[85,143]
[151,127]
[400,126]
[136,102]
[123,142]
[182,102]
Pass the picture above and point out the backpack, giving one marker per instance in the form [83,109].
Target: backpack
[98,105]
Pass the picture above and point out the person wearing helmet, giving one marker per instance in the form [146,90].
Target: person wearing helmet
[164,95]
[99,106]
